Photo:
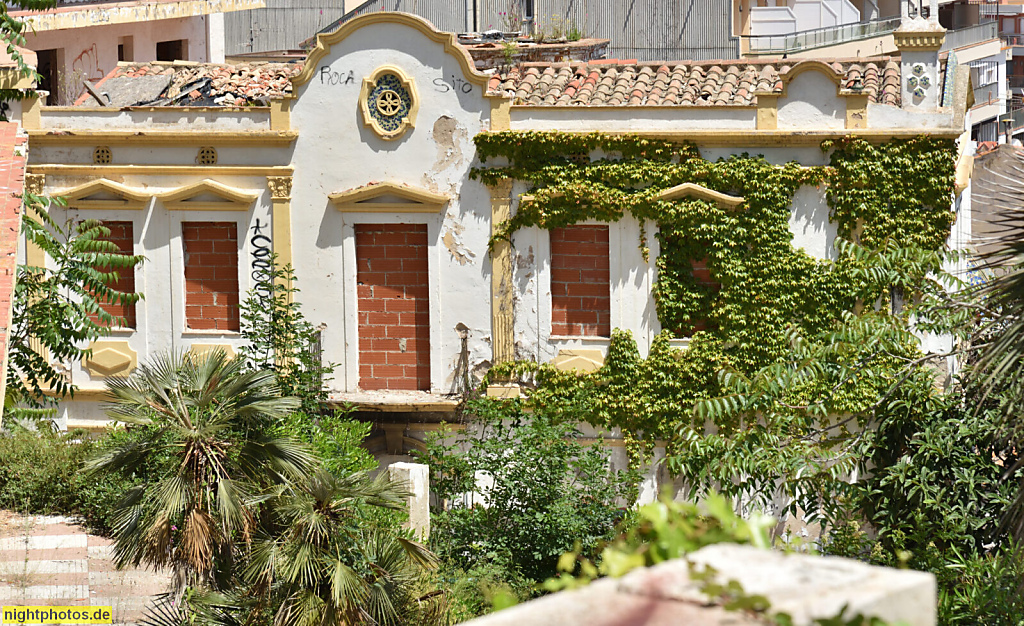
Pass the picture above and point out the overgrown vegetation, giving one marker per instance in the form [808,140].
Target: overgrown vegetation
[800,373]
[535,492]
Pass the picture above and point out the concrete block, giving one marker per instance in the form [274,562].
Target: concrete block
[806,587]
[416,478]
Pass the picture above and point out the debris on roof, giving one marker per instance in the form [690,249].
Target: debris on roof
[680,83]
[194,84]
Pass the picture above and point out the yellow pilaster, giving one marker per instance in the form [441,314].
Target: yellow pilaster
[31,109]
[501,114]
[281,230]
[281,113]
[857,111]
[34,255]
[503,341]
[767,112]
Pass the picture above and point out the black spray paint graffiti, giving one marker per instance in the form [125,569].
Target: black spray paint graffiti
[262,262]
[455,84]
[327,77]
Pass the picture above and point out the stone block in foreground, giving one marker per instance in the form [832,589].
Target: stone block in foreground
[806,587]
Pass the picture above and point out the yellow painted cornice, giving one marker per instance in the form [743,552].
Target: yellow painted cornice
[275,138]
[779,138]
[230,198]
[691,190]
[106,14]
[157,170]
[411,199]
[448,40]
[126,197]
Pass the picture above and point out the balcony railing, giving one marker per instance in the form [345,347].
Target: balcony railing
[1015,81]
[820,37]
[1012,39]
[970,35]
[1015,118]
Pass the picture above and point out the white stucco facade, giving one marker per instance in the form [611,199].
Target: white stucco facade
[327,149]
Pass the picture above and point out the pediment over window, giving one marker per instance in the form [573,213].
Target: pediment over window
[105,194]
[389,197]
[691,190]
[209,195]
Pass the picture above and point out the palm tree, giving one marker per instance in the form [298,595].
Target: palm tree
[208,431]
[328,562]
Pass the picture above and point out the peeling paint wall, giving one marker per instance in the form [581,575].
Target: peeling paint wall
[336,151]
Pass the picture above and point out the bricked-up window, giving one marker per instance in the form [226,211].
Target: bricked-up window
[393,301]
[211,275]
[122,236]
[580,289]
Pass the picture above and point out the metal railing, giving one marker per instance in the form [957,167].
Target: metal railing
[1012,39]
[970,35]
[820,37]
[1015,118]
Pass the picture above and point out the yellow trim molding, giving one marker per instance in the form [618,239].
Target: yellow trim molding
[110,358]
[157,170]
[274,138]
[281,113]
[410,199]
[31,109]
[409,121]
[690,190]
[781,138]
[11,78]
[105,14]
[127,197]
[230,198]
[502,297]
[920,41]
[449,40]
[281,217]
[857,111]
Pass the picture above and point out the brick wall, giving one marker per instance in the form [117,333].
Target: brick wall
[580,290]
[394,316]
[211,275]
[122,236]
[12,184]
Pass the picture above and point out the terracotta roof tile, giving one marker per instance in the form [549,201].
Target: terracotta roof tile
[681,83]
[205,84]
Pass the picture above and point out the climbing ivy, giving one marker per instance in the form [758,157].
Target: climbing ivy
[784,347]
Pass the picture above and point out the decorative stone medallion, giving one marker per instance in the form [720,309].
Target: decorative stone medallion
[389,102]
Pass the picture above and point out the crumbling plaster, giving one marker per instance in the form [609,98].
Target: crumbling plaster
[336,151]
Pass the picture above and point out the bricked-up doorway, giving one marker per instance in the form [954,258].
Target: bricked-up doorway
[580,282]
[393,301]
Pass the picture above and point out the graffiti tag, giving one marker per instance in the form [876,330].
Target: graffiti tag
[454,84]
[328,77]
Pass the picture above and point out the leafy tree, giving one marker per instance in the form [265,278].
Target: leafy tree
[211,429]
[57,309]
[543,491]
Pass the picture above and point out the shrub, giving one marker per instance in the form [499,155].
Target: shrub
[41,473]
[546,492]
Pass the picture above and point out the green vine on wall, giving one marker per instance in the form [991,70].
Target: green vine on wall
[881,196]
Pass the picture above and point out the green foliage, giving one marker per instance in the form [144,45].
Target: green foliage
[549,491]
[662,531]
[333,438]
[52,306]
[325,563]
[279,338]
[41,474]
[211,430]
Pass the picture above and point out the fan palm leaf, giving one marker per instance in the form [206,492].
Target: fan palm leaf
[208,427]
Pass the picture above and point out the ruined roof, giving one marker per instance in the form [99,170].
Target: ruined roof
[193,84]
[680,83]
